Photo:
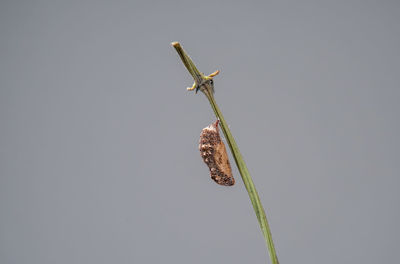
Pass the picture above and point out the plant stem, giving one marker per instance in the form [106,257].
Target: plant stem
[205,84]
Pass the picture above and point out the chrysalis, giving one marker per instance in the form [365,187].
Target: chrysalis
[213,152]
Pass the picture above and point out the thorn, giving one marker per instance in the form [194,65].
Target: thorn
[192,88]
[214,74]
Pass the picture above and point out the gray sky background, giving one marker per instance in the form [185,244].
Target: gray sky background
[98,138]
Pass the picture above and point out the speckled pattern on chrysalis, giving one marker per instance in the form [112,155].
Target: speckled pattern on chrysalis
[214,154]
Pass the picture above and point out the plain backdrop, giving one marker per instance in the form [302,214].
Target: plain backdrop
[99,160]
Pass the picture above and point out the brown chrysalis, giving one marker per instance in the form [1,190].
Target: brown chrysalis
[213,152]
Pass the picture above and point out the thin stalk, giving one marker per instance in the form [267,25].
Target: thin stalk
[205,84]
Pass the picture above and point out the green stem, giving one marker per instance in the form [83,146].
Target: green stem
[247,180]
[206,87]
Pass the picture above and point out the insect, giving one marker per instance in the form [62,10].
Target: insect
[213,152]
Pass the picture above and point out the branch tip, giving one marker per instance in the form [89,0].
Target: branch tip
[175,43]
